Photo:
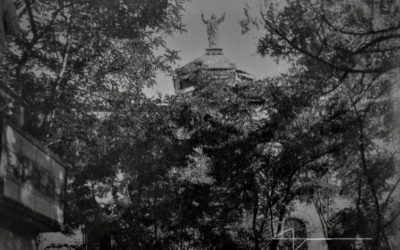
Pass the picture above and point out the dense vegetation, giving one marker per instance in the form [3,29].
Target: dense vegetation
[223,167]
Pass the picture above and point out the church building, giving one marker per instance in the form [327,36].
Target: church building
[214,67]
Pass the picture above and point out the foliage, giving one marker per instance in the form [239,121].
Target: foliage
[320,132]
[81,66]
[347,52]
[265,143]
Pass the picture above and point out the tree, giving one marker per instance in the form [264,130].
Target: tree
[348,51]
[82,65]
[264,143]
[85,49]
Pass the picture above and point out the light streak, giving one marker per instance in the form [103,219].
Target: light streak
[280,236]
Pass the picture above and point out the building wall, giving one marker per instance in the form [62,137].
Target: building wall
[31,183]
[13,241]
[30,176]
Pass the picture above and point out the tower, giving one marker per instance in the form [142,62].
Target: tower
[213,66]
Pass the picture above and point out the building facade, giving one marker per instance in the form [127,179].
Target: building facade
[32,181]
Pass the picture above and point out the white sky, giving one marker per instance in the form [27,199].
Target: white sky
[240,49]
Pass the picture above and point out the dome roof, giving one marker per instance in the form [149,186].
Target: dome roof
[212,65]
[212,59]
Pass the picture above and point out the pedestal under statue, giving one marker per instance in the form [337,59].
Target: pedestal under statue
[212,30]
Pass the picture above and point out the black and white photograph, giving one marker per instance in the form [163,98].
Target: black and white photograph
[199,124]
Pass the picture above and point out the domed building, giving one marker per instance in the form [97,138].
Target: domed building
[214,67]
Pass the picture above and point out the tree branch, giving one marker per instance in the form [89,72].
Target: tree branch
[383,68]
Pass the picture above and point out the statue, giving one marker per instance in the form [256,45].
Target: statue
[212,30]
[8,22]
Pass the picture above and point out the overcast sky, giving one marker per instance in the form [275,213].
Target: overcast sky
[240,49]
